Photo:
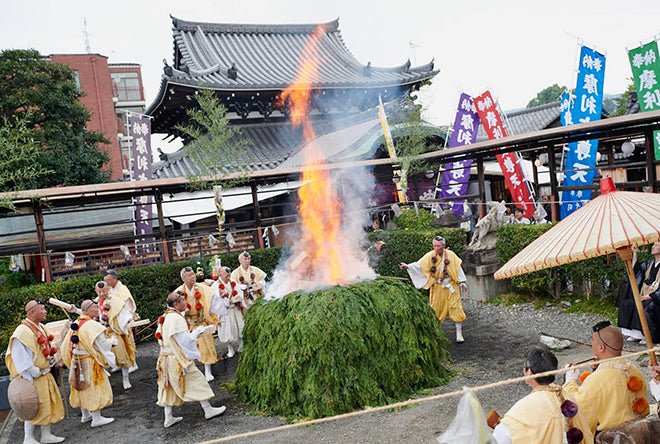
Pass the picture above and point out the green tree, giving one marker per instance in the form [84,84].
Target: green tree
[622,102]
[548,95]
[412,135]
[212,143]
[45,96]
[21,164]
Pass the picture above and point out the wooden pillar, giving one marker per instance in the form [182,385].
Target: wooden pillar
[535,175]
[257,214]
[41,240]
[650,159]
[165,250]
[552,167]
[481,178]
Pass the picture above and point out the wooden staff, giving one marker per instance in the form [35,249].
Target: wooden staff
[63,305]
[145,328]
[580,342]
[383,248]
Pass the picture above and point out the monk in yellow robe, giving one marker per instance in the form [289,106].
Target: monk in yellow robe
[539,416]
[251,280]
[179,380]
[28,356]
[121,311]
[440,272]
[616,391]
[204,309]
[86,352]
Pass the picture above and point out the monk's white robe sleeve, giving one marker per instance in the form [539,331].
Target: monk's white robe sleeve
[502,434]
[23,359]
[461,275]
[123,318]
[417,276]
[104,346]
[187,342]
[654,388]
[217,307]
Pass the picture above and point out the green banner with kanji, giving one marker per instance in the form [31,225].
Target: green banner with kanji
[656,144]
[645,65]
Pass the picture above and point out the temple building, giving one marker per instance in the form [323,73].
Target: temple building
[248,66]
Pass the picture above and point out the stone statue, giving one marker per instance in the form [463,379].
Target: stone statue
[484,236]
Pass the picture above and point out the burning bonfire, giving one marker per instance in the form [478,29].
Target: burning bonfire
[337,341]
[327,252]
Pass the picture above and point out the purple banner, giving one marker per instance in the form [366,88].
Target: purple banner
[141,146]
[455,175]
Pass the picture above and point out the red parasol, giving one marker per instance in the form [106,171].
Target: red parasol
[613,222]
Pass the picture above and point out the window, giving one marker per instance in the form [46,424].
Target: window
[126,86]
[76,78]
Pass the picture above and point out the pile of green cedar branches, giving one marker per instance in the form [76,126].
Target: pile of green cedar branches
[331,351]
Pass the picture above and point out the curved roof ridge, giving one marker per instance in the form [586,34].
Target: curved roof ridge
[249,28]
[533,109]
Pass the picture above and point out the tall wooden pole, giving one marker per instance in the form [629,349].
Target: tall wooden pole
[626,256]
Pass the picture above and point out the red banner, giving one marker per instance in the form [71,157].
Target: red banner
[490,119]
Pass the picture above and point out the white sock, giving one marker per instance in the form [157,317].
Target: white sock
[28,429]
[459,328]
[48,437]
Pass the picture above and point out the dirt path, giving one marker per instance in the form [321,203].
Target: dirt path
[496,341]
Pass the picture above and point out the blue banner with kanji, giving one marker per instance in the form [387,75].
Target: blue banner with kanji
[584,106]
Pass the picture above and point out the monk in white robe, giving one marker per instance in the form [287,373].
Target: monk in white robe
[179,380]
[231,324]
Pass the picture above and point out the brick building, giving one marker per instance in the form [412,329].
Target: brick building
[109,92]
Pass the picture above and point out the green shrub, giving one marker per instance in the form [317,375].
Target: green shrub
[412,220]
[323,353]
[410,245]
[596,276]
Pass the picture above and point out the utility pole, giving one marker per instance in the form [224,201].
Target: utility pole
[88,49]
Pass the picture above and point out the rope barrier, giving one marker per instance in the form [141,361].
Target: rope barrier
[409,402]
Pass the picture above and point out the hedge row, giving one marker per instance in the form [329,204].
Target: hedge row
[599,276]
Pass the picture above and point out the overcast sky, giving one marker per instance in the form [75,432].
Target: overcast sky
[514,48]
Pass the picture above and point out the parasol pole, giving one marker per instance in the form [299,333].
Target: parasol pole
[626,256]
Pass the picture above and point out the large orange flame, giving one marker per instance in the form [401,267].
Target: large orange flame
[319,208]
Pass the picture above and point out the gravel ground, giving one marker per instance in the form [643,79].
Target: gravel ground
[496,339]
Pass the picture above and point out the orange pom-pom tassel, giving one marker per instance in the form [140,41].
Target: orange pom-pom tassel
[161,319]
[635,384]
[584,375]
[640,405]
[158,336]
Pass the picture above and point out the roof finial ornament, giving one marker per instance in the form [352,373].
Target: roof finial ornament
[232,72]
[167,69]
[366,71]
[161,155]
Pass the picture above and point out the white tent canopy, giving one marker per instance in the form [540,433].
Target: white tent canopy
[202,203]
